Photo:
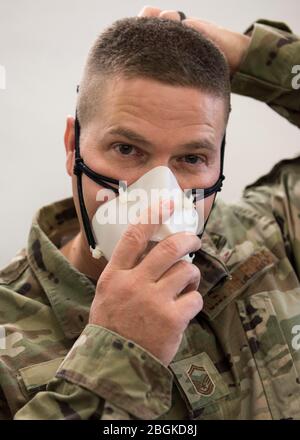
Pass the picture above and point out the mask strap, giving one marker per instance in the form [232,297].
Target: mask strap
[79,168]
[199,195]
[78,172]
[217,186]
[200,235]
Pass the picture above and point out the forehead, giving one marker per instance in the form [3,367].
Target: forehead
[163,102]
[147,103]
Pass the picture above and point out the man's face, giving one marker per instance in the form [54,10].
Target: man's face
[142,124]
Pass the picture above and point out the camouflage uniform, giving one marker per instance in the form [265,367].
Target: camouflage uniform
[238,359]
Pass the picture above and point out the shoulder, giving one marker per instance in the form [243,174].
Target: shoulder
[14,269]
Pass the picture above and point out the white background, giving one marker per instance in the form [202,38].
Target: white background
[43,46]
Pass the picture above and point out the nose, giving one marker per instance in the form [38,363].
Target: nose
[158,162]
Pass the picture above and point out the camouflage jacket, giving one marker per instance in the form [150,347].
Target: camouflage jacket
[238,359]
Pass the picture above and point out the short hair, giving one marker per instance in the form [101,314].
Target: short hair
[155,48]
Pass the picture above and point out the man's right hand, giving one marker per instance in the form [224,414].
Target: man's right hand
[140,298]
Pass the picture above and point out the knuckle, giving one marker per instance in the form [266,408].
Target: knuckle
[191,270]
[104,279]
[192,306]
[189,21]
[197,242]
[183,266]
[171,247]
[167,313]
[169,14]
[135,236]
[149,11]
[199,299]
[198,302]
[196,271]
[192,23]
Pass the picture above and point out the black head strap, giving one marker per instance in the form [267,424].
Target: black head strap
[81,167]
[78,172]
[199,195]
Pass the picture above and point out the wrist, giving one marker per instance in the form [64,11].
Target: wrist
[242,47]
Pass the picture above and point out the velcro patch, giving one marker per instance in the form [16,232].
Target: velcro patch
[199,382]
[243,274]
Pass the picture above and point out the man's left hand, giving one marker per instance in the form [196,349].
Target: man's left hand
[233,44]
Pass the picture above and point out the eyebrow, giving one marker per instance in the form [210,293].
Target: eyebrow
[135,137]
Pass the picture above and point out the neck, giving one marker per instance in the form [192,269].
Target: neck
[77,252]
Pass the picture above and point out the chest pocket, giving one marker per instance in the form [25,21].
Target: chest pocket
[36,377]
[200,385]
[266,318]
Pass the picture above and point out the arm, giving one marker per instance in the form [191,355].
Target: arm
[104,376]
[266,74]
[260,61]
[266,70]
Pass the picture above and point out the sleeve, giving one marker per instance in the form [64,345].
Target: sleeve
[266,74]
[270,70]
[104,376]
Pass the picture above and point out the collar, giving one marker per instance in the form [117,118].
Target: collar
[233,259]
[69,292]
[212,266]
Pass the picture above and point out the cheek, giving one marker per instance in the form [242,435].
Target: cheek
[76,200]
[203,208]
[213,172]
[90,190]
[105,163]
[208,202]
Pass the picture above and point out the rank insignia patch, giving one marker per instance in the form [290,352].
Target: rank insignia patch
[201,380]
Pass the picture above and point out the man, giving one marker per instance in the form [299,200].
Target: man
[88,338]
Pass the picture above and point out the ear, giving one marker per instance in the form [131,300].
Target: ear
[69,140]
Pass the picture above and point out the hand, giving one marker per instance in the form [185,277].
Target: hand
[139,298]
[233,44]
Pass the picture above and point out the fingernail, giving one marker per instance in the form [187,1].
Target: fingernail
[142,11]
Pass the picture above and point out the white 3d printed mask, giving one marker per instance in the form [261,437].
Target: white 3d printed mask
[113,216]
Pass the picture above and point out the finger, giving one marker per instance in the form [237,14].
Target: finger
[135,239]
[166,253]
[189,287]
[188,306]
[171,15]
[180,276]
[149,11]
[207,28]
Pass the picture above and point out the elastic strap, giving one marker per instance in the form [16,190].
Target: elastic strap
[199,195]
[78,172]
